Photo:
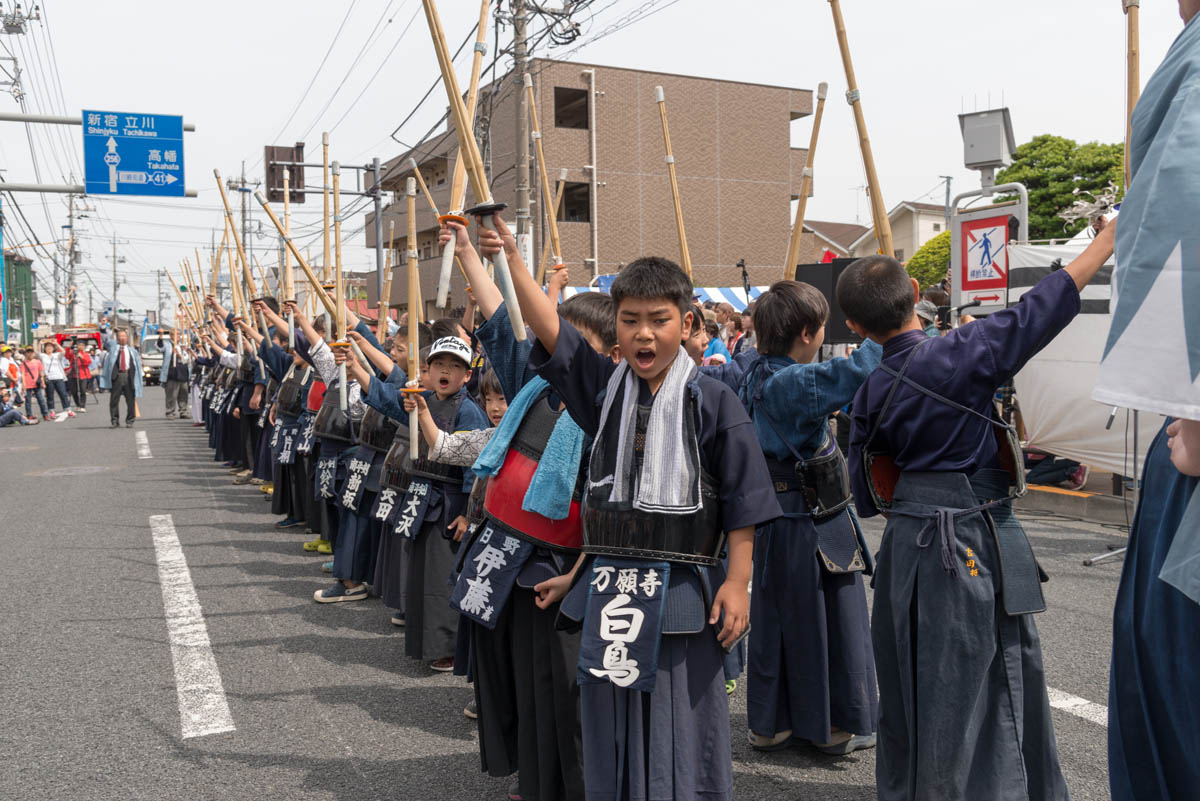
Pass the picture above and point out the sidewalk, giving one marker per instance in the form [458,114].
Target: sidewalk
[1095,503]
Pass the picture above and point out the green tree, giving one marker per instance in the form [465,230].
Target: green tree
[928,265]
[1052,168]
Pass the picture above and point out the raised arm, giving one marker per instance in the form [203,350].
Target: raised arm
[1084,268]
[487,295]
[540,313]
[381,361]
[273,319]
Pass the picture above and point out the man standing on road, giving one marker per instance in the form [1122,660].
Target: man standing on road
[122,376]
[174,375]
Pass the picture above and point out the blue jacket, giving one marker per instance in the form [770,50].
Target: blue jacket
[110,363]
[168,349]
[792,400]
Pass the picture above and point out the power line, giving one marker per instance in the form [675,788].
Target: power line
[313,80]
[371,39]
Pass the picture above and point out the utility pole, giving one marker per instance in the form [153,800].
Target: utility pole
[520,52]
[71,260]
[947,179]
[114,297]
[91,313]
[158,297]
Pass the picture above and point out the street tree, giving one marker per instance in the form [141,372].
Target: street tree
[1052,168]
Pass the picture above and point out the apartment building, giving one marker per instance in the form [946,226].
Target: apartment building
[736,166]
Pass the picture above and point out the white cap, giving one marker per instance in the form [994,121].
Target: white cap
[453,346]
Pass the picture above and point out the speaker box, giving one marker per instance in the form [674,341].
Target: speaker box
[825,277]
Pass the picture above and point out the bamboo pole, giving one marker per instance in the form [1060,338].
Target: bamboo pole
[217,256]
[552,213]
[246,275]
[317,292]
[198,286]
[467,161]
[883,226]
[325,208]
[793,253]
[416,171]
[289,288]
[1133,86]
[414,301]
[194,294]
[385,298]
[685,258]
[182,303]
[536,134]
[339,281]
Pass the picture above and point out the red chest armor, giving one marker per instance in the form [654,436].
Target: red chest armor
[506,489]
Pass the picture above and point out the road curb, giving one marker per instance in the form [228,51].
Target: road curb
[1089,506]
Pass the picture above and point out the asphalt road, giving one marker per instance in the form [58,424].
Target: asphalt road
[323,701]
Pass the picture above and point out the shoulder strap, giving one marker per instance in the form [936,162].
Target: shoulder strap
[940,398]
[887,402]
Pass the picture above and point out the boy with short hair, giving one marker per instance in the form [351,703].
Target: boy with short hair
[523,554]
[674,469]
[431,515]
[963,707]
[810,676]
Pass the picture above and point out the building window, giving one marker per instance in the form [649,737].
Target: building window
[937,227]
[576,203]
[570,108]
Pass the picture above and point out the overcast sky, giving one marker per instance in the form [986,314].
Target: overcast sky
[238,71]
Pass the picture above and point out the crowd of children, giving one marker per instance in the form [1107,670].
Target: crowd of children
[600,532]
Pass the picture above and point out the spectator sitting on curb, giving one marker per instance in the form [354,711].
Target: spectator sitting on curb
[10,414]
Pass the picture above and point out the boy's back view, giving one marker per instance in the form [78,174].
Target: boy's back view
[963,707]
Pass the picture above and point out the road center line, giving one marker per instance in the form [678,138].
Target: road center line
[143,445]
[203,709]
[1079,707]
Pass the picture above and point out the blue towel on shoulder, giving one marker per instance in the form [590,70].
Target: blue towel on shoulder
[549,494]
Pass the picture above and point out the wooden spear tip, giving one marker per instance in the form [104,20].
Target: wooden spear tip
[659,97]
[562,174]
[528,81]
[822,90]
[325,137]
[258,195]
[335,167]
[412,163]
[217,173]
[410,187]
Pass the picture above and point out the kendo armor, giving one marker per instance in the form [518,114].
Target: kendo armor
[332,422]
[697,538]
[377,430]
[291,393]
[507,488]
[398,471]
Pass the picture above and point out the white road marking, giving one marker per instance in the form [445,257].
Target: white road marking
[202,706]
[143,445]
[1079,707]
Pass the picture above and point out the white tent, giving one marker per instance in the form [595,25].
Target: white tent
[1054,389]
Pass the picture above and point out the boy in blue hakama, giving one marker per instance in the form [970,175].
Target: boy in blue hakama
[431,516]
[674,469]
[522,665]
[811,673]
[964,712]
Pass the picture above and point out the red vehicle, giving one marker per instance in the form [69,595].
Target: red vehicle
[69,336]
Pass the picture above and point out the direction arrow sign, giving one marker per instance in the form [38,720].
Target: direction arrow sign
[133,154]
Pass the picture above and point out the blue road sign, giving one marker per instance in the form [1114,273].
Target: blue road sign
[132,154]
